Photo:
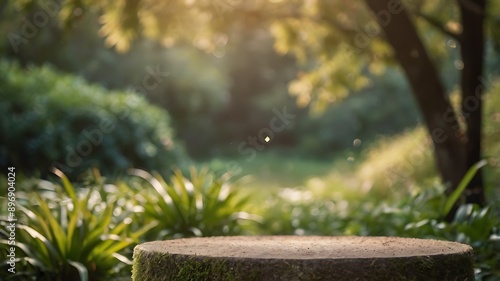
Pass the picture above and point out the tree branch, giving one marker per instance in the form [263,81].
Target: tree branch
[439,25]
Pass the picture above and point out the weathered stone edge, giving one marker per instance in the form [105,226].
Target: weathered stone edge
[155,266]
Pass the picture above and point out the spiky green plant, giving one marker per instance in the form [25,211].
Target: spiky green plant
[72,235]
[201,205]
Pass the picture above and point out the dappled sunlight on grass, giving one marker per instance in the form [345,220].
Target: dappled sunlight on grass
[270,170]
[398,163]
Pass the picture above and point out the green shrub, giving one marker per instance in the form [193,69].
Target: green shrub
[201,205]
[50,119]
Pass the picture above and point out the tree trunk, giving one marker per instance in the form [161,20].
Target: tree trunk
[472,84]
[427,88]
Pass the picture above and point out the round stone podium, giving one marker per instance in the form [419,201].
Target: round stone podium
[291,258]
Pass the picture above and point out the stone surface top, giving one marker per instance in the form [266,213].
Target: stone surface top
[305,247]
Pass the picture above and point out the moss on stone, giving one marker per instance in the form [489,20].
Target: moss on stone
[160,266]
[152,265]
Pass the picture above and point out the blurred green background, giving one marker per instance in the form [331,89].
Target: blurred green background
[153,135]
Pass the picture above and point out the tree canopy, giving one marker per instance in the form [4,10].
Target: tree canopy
[339,45]
[337,41]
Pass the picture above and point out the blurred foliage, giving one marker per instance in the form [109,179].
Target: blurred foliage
[200,205]
[191,85]
[64,233]
[225,91]
[341,44]
[364,115]
[404,161]
[212,98]
[88,233]
[338,42]
[59,120]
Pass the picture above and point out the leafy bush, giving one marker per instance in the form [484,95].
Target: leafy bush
[199,206]
[59,120]
[68,234]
